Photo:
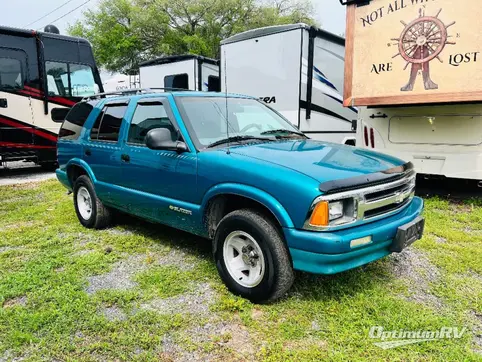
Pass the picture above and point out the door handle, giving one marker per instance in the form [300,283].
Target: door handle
[125,158]
[3,103]
[88,152]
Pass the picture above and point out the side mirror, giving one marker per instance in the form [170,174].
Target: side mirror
[58,114]
[160,139]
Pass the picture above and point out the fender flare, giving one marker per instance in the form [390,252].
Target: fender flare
[253,193]
[81,163]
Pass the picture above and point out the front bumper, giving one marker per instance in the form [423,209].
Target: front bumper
[330,252]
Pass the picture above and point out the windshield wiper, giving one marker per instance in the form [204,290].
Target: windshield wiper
[275,131]
[237,139]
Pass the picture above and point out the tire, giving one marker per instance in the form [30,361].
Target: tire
[99,216]
[237,230]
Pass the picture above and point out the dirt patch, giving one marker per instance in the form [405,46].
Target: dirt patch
[197,302]
[15,302]
[226,341]
[119,277]
[477,331]
[122,273]
[414,267]
[113,313]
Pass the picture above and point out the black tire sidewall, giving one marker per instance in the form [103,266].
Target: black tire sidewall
[85,181]
[265,288]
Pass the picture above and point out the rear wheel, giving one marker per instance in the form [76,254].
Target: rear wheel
[251,256]
[90,211]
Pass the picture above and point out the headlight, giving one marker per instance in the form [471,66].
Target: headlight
[333,213]
[335,210]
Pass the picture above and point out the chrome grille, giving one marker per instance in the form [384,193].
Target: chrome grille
[387,198]
[371,202]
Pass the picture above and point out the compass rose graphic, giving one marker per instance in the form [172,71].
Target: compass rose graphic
[421,41]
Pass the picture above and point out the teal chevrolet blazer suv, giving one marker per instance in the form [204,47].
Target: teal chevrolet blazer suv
[230,169]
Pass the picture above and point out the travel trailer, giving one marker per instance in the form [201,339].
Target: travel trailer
[120,82]
[435,119]
[192,72]
[40,71]
[297,70]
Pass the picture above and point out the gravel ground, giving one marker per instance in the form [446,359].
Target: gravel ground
[196,302]
[23,172]
[414,266]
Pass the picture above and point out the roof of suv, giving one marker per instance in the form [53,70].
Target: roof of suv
[136,97]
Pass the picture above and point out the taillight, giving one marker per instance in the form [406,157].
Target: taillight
[372,137]
[365,133]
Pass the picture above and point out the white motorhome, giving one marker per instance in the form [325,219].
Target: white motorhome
[439,140]
[192,72]
[297,70]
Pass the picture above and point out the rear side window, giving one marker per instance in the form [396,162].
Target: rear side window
[74,122]
[179,81]
[108,124]
[146,118]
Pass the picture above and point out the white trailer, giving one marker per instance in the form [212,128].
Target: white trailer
[441,140]
[192,72]
[121,82]
[297,70]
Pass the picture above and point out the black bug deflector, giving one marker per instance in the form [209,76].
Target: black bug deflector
[372,179]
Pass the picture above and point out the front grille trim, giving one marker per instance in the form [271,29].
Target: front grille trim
[390,198]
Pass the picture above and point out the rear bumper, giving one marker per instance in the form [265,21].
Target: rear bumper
[330,253]
[63,178]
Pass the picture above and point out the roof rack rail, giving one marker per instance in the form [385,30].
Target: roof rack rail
[132,91]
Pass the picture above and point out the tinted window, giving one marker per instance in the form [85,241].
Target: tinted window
[74,122]
[70,80]
[111,123]
[213,84]
[10,73]
[94,132]
[147,117]
[180,81]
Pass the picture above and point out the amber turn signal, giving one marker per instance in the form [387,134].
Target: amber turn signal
[320,215]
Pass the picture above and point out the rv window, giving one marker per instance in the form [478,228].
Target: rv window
[147,117]
[70,80]
[213,84]
[10,73]
[179,81]
[111,123]
[74,122]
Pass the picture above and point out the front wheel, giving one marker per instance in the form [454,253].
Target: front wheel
[251,256]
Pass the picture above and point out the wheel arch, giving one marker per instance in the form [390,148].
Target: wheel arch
[224,198]
[77,167]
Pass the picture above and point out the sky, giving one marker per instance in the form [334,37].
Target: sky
[20,13]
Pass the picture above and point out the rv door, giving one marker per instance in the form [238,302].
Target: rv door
[16,121]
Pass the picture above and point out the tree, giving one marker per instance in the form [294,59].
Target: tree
[124,33]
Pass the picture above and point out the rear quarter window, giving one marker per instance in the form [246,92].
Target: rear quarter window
[75,120]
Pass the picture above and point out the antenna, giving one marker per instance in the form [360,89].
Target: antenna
[226,97]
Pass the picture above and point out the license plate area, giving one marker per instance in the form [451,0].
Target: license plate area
[407,234]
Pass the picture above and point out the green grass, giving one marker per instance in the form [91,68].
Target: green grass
[47,257]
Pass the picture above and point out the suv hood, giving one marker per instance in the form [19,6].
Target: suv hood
[321,161]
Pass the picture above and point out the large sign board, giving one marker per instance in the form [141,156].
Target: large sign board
[413,52]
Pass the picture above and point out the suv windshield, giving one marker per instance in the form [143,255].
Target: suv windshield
[247,119]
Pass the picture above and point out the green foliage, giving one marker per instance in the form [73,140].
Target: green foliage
[124,33]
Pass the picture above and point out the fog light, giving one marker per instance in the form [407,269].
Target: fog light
[359,242]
